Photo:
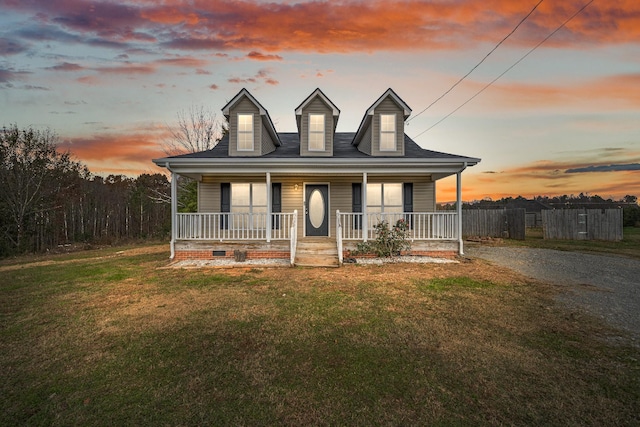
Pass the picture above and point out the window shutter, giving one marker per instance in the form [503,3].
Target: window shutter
[276,204]
[407,200]
[225,204]
[356,204]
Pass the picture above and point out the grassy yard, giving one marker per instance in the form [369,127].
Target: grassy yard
[629,246]
[109,338]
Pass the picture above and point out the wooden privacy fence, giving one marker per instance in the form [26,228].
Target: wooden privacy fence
[582,224]
[507,223]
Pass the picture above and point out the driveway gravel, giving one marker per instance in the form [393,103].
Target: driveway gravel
[606,286]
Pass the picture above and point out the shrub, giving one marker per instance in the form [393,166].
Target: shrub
[389,241]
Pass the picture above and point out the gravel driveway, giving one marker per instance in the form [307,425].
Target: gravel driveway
[607,286]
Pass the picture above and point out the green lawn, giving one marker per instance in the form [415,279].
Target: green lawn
[115,340]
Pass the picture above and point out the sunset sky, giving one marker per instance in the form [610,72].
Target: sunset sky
[110,76]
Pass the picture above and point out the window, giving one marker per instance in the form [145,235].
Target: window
[249,198]
[245,132]
[384,198]
[316,132]
[387,132]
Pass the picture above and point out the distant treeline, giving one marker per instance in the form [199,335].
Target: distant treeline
[629,204]
[48,200]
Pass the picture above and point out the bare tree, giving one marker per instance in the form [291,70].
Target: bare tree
[33,177]
[198,129]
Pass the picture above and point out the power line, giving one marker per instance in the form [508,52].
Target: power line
[479,63]
[507,70]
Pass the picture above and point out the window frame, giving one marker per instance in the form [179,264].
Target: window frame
[316,132]
[251,207]
[393,133]
[382,196]
[245,132]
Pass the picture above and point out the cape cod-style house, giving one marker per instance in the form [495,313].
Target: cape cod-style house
[310,196]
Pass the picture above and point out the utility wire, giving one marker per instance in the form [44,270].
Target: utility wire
[508,69]
[479,63]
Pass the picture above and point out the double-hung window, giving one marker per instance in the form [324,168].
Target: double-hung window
[316,132]
[249,200]
[245,132]
[385,201]
[387,132]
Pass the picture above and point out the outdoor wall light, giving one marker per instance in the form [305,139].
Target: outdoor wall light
[295,187]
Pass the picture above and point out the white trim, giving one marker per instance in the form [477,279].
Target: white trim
[394,132]
[318,93]
[174,211]
[324,132]
[304,210]
[364,204]
[269,207]
[253,136]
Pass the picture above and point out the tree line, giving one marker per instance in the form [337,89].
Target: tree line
[48,199]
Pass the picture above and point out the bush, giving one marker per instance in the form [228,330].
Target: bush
[390,241]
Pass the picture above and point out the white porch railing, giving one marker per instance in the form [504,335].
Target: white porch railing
[422,225]
[235,226]
[293,232]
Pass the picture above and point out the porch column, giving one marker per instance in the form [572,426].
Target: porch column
[459,208]
[174,212]
[365,225]
[269,207]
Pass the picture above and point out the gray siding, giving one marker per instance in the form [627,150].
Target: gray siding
[340,197]
[387,106]
[316,106]
[245,106]
[208,196]
[268,144]
[424,195]
[365,143]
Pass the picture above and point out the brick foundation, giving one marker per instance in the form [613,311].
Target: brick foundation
[432,254]
[182,255]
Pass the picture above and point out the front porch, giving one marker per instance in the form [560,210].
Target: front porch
[276,235]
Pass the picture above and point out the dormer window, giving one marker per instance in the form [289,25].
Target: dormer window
[387,132]
[245,132]
[316,132]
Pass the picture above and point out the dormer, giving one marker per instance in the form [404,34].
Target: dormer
[251,131]
[381,132]
[317,118]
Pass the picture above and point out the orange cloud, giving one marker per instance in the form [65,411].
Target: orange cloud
[257,56]
[333,26]
[607,93]
[123,152]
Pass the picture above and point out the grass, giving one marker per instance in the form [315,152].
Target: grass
[119,341]
[629,246]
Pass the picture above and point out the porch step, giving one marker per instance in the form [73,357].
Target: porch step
[317,253]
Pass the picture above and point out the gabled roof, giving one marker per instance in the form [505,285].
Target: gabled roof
[368,116]
[321,95]
[317,94]
[263,112]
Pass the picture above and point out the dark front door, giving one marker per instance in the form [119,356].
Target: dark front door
[317,210]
